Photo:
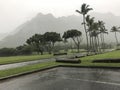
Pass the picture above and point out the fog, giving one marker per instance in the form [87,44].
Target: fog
[15,12]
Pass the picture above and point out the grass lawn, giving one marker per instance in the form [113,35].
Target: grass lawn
[86,61]
[16,59]
[14,71]
[111,55]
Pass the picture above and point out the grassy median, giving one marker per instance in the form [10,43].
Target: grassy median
[86,61]
[108,55]
[17,59]
[28,68]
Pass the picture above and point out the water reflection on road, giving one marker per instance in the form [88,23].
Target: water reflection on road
[66,79]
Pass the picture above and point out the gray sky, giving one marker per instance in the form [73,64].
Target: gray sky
[15,12]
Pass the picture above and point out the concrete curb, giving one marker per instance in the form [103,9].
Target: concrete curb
[98,67]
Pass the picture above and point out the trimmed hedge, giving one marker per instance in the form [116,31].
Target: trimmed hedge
[66,60]
[107,61]
[55,54]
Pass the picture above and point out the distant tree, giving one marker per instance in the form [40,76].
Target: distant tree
[102,31]
[75,35]
[94,34]
[7,51]
[115,29]
[84,10]
[65,45]
[37,41]
[51,38]
[89,23]
[24,50]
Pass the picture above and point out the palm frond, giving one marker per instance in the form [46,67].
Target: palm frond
[78,11]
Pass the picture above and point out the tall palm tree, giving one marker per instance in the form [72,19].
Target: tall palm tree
[89,23]
[95,33]
[115,29]
[102,31]
[84,10]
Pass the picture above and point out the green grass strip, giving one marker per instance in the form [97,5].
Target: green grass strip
[86,61]
[17,59]
[111,55]
[19,70]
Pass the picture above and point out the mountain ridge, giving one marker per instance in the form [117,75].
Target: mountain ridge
[42,23]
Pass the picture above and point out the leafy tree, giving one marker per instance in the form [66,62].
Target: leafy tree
[51,38]
[7,52]
[24,50]
[115,29]
[37,41]
[84,10]
[75,35]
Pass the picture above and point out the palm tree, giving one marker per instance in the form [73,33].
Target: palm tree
[84,10]
[115,30]
[103,31]
[95,33]
[89,23]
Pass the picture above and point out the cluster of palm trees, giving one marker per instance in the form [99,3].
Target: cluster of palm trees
[115,29]
[94,31]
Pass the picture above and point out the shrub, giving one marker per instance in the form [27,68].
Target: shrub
[7,52]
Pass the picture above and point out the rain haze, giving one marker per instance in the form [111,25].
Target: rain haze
[15,12]
[59,44]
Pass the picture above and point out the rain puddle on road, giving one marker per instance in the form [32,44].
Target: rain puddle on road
[66,78]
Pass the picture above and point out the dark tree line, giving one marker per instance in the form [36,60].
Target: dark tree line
[94,31]
[20,50]
[45,42]
[41,43]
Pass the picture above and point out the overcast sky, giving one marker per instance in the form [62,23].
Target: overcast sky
[15,12]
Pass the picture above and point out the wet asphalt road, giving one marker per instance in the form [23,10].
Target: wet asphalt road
[66,79]
[14,65]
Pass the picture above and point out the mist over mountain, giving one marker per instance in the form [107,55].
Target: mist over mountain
[3,35]
[46,23]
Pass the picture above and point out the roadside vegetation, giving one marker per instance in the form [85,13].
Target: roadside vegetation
[17,59]
[54,42]
[24,69]
[86,62]
[109,55]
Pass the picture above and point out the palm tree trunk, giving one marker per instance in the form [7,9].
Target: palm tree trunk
[85,33]
[96,49]
[116,38]
[93,44]
[90,47]
[101,40]
[98,44]
[103,43]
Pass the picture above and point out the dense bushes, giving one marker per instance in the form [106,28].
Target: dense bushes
[7,52]
[21,50]
[116,60]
